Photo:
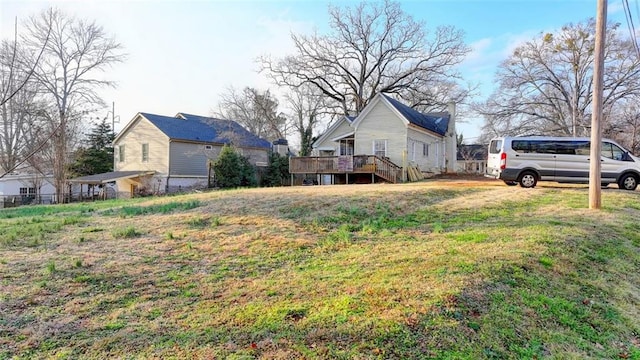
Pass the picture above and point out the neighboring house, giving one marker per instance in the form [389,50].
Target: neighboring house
[472,159]
[161,154]
[386,131]
[26,188]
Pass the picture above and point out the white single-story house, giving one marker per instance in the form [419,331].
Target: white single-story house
[26,188]
[383,140]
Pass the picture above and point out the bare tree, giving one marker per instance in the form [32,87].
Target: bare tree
[12,65]
[545,85]
[76,52]
[372,47]
[626,130]
[18,102]
[255,110]
[16,111]
[307,107]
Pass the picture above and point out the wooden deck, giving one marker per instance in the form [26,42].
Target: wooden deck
[356,164]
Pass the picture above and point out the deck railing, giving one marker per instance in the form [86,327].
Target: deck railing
[357,164]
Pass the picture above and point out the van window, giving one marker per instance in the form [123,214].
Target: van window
[551,147]
[612,151]
[534,146]
[521,146]
[495,146]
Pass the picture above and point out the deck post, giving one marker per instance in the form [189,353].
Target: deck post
[291,179]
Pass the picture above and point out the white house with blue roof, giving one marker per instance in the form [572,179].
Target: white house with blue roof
[168,154]
[390,130]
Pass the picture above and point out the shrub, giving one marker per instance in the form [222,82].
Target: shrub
[277,171]
[233,170]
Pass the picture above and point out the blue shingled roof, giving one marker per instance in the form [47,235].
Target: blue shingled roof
[437,124]
[205,129]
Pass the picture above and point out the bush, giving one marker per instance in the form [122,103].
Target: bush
[278,170]
[233,170]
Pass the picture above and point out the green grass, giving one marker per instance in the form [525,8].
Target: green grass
[127,232]
[165,208]
[368,272]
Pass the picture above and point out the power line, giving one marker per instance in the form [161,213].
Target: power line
[630,26]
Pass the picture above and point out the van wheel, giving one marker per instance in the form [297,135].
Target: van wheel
[528,179]
[628,182]
[511,183]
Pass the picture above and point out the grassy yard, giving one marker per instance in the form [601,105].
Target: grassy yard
[445,270]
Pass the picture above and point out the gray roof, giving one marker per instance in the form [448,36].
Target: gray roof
[436,122]
[205,129]
[110,176]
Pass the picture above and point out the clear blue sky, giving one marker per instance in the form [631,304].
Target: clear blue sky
[183,54]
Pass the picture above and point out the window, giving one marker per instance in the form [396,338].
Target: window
[27,191]
[612,151]
[208,147]
[425,150]
[496,146]
[145,152]
[121,153]
[346,147]
[380,148]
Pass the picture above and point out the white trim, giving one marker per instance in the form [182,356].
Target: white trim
[330,130]
[136,119]
[425,131]
[126,128]
[343,136]
[367,109]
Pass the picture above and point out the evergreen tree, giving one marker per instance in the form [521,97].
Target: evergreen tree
[278,170]
[96,156]
[233,170]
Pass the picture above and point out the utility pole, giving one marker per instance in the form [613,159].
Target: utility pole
[113,116]
[595,200]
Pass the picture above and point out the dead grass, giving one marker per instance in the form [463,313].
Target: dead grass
[453,268]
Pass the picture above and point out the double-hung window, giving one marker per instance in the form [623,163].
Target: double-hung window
[380,148]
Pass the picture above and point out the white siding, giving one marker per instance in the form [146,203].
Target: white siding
[142,132]
[342,129]
[432,162]
[381,123]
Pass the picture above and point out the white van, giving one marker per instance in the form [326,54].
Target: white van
[527,160]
